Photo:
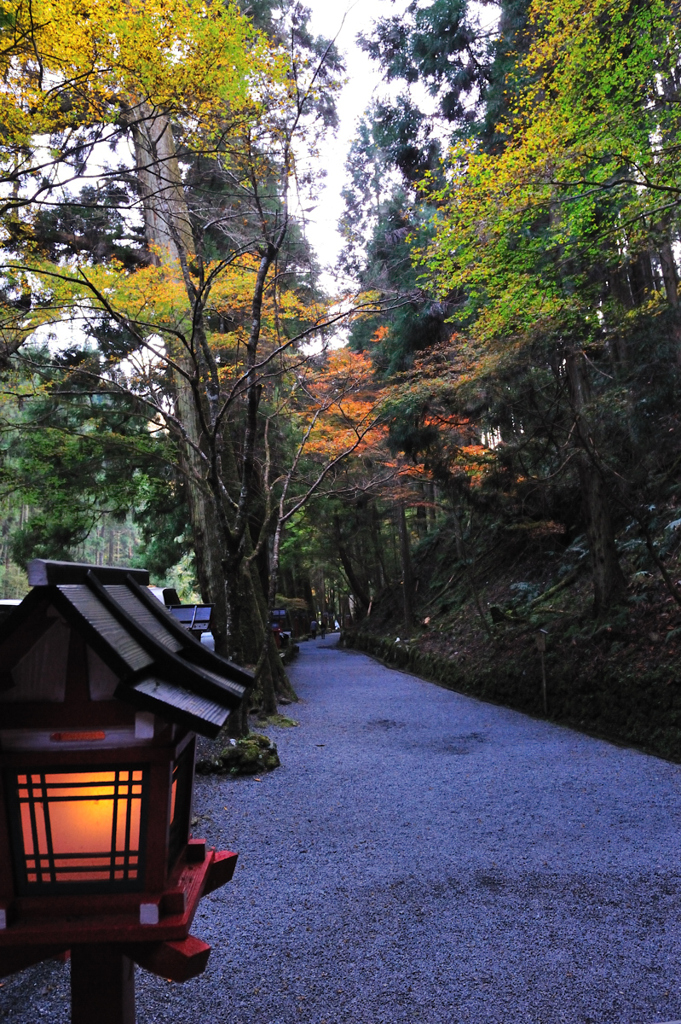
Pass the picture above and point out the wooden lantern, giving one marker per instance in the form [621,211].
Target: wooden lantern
[101,694]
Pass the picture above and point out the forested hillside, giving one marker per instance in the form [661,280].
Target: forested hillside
[473,445]
[533,367]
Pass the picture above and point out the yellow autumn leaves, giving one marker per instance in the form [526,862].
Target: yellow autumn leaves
[64,64]
[583,173]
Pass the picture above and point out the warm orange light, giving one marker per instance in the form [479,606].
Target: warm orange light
[173,797]
[77,737]
[81,826]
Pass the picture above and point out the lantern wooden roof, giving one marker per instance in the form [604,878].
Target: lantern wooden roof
[159,664]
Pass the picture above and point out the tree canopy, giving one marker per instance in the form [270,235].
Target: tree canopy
[512,364]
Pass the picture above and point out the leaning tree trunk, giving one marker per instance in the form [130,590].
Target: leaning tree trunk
[240,626]
[169,235]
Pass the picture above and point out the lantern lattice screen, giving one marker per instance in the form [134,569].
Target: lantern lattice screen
[81,826]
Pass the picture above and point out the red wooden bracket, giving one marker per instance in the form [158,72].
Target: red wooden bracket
[29,938]
[220,871]
[178,961]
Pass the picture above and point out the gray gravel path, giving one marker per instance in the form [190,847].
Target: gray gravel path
[424,858]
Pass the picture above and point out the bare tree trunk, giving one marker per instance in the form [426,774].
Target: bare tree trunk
[166,216]
[357,589]
[671,285]
[609,582]
[375,531]
[421,517]
[669,274]
[169,235]
[469,568]
[407,572]
[641,277]
[608,578]
[432,509]
[241,621]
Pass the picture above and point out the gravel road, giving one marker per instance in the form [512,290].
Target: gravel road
[425,858]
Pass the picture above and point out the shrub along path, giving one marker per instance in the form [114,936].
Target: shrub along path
[424,857]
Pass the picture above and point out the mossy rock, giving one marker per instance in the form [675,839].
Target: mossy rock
[283,721]
[261,741]
[248,756]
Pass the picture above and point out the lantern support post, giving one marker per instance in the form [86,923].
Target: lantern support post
[102,985]
[102,691]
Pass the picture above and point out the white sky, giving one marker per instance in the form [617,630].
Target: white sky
[344,21]
[364,79]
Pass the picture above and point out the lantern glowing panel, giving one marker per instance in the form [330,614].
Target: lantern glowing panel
[173,796]
[78,827]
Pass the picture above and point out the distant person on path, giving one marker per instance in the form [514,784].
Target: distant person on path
[323,627]
[313,629]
